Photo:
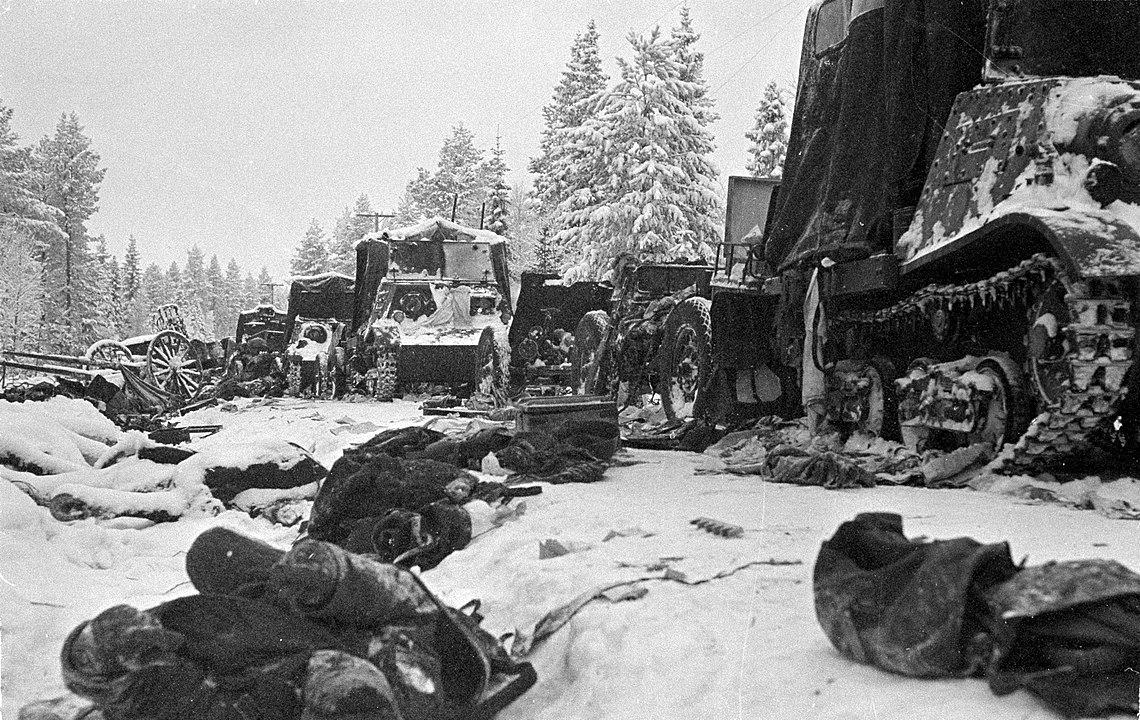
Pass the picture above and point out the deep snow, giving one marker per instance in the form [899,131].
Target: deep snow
[744,645]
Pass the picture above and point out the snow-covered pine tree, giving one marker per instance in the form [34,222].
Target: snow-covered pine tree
[413,206]
[21,290]
[498,193]
[523,224]
[571,105]
[174,285]
[653,190]
[67,177]
[312,256]
[152,292]
[340,245]
[132,270]
[102,315]
[769,135]
[692,61]
[21,210]
[251,293]
[547,256]
[234,299]
[216,297]
[459,182]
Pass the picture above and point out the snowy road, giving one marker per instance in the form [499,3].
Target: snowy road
[742,646]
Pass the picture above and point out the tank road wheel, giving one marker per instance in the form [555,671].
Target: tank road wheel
[172,364]
[683,359]
[590,366]
[110,351]
[1001,422]
[1048,347]
[488,381]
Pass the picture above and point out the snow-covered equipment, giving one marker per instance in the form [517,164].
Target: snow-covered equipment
[654,336]
[432,302]
[320,308]
[944,261]
[164,369]
[266,322]
[542,330]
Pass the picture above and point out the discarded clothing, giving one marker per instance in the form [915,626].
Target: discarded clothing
[312,633]
[574,451]
[407,511]
[1067,632]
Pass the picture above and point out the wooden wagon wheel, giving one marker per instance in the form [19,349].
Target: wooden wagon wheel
[172,364]
[110,351]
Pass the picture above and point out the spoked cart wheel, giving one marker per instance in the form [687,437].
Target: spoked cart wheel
[172,364]
[110,351]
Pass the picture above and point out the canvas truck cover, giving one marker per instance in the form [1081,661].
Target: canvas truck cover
[329,295]
[877,80]
[372,255]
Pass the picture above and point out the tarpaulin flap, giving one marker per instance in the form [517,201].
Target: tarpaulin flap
[371,267]
[868,120]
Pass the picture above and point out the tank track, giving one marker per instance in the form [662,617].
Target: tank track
[1099,352]
[386,366]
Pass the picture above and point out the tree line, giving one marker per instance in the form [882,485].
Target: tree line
[622,168]
[60,288]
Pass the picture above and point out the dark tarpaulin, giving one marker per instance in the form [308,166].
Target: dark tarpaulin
[868,120]
[1067,631]
[371,267]
[318,298]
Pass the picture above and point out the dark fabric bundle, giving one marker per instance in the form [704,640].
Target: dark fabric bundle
[1069,632]
[312,633]
[575,451]
[369,484]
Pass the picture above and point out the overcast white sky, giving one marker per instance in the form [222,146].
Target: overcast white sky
[231,123]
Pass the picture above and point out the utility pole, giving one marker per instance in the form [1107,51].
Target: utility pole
[454,206]
[376,218]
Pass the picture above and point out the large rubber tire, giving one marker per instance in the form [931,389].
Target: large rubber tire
[590,358]
[684,358]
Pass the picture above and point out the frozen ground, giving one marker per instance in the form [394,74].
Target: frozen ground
[745,645]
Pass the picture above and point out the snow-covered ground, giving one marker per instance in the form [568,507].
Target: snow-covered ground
[742,645]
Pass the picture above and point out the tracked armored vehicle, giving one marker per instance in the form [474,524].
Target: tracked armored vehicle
[953,255]
[431,309]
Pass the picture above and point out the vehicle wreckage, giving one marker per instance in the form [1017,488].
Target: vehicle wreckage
[953,254]
[431,308]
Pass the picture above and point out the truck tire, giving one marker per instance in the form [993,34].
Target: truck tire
[590,358]
[684,357]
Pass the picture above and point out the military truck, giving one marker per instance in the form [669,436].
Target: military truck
[320,309]
[654,337]
[431,309]
[953,255]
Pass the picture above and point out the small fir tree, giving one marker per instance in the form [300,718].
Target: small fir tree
[769,136]
[312,256]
